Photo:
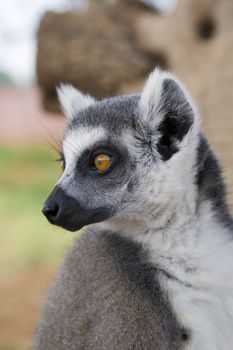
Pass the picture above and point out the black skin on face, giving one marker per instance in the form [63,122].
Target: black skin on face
[65,211]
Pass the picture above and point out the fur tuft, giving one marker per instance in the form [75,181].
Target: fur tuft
[154,90]
[72,100]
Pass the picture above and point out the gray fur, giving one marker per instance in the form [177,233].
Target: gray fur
[107,297]
[120,285]
[114,114]
[210,182]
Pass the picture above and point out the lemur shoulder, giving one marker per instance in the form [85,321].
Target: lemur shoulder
[154,270]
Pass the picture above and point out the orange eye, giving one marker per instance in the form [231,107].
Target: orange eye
[102,162]
[62,165]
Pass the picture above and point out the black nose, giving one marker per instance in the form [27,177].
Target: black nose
[50,210]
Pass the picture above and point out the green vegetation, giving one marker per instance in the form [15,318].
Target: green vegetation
[27,175]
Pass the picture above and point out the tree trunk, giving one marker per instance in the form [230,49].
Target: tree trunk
[95,51]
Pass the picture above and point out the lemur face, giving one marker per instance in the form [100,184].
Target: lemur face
[98,165]
[112,147]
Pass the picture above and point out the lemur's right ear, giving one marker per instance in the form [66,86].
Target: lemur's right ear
[72,100]
[166,107]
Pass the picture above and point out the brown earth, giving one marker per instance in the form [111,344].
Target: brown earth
[21,295]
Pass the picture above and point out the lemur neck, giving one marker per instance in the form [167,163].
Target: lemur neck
[170,218]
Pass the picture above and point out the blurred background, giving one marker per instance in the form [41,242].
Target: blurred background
[104,48]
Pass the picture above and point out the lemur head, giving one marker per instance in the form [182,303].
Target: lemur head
[124,153]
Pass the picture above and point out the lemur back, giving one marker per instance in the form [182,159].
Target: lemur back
[154,270]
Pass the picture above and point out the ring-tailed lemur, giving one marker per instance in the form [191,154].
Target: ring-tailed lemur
[155,268]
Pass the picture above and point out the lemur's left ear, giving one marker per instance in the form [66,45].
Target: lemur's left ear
[72,100]
[165,106]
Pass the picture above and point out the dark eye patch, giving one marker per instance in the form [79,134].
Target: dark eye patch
[85,163]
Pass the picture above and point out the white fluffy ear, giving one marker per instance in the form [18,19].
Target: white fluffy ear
[163,93]
[166,107]
[72,100]
[151,95]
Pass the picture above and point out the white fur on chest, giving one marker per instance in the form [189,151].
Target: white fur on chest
[197,274]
